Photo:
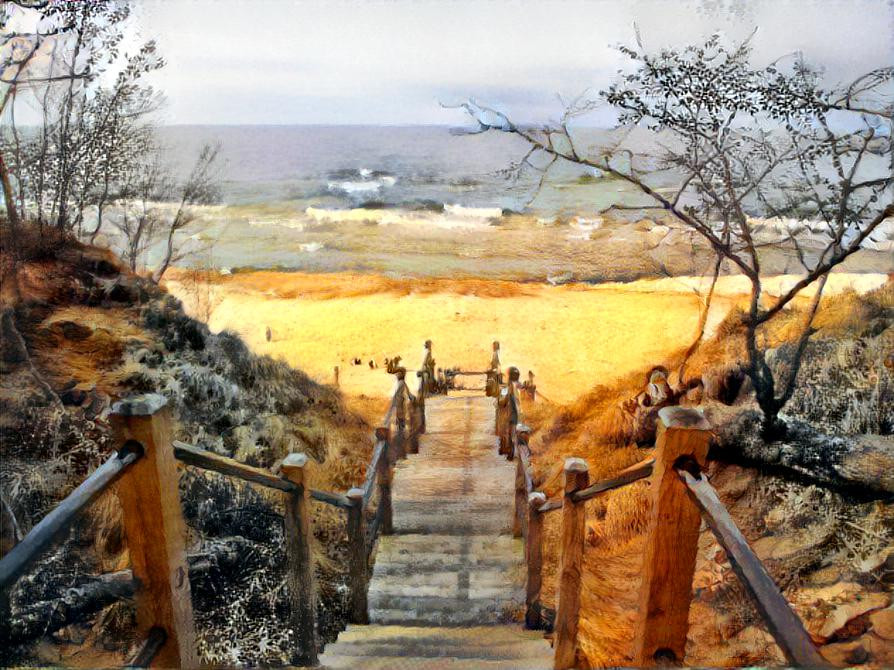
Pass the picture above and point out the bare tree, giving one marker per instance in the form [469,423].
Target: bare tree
[142,188]
[59,59]
[739,141]
[199,188]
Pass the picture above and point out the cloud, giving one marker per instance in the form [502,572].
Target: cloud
[269,61]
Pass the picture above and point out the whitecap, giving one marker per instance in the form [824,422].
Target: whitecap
[310,247]
[473,212]
[285,223]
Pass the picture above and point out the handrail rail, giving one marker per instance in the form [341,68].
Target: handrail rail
[379,452]
[627,476]
[53,524]
[785,626]
[391,408]
[334,499]
[664,579]
[156,539]
[208,460]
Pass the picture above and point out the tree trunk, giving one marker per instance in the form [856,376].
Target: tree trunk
[9,198]
[76,605]
[862,465]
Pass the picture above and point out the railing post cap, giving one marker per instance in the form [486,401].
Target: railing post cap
[536,498]
[522,428]
[140,405]
[576,465]
[683,417]
[355,494]
[294,461]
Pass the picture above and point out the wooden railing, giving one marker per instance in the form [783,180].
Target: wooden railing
[146,469]
[680,497]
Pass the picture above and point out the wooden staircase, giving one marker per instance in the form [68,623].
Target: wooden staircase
[447,589]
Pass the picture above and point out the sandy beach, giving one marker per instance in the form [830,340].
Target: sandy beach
[572,336]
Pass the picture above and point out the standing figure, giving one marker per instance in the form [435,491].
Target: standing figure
[494,378]
[530,387]
[269,334]
[428,368]
[508,404]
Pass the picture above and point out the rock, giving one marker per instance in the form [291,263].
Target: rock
[845,654]
[789,544]
[837,625]
[73,331]
[858,656]
[882,623]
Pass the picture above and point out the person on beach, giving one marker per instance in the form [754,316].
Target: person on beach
[428,367]
[494,378]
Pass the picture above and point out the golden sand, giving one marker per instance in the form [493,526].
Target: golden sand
[572,336]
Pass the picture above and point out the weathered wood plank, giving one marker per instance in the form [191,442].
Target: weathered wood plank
[298,540]
[200,458]
[783,623]
[335,499]
[550,506]
[357,559]
[369,483]
[627,476]
[147,652]
[384,478]
[571,554]
[155,530]
[520,505]
[534,561]
[669,557]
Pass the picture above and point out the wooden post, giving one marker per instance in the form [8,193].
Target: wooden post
[384,477]
[154,528]
[415,427]
[521,500]
[298,538]
[570,565]
[357,560]
[672,544]
[511,438]
[336,376]
[421,400]
[400,440]
[534,561]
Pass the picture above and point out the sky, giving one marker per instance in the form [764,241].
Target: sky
[395,61]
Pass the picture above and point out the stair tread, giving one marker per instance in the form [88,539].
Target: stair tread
[448,585]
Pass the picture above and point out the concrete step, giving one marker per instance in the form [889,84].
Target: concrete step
[422,663]
[408,647]
[481,635]
[448,611]
[475,583]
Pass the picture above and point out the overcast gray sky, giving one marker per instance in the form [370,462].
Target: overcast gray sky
[390,62]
